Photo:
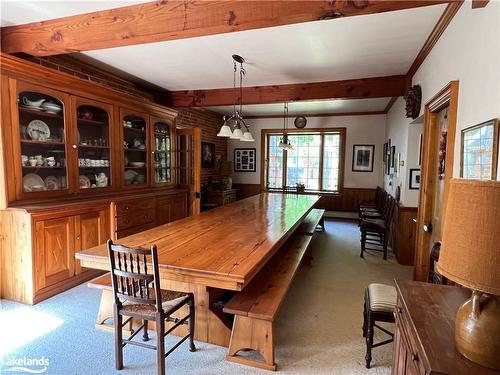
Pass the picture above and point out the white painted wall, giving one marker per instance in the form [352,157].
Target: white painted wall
[468,51]
[359,130]
[406,137]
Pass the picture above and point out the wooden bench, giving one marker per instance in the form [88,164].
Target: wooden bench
[311,222]
[257,305]
[106,306]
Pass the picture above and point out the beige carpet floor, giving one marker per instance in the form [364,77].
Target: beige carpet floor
[318,330]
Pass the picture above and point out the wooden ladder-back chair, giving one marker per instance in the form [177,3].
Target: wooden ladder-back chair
[376,231]
[137,294]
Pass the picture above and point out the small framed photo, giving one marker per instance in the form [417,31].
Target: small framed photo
[414,179]
[385,152]
[244,159]
[392,156]
[362,158]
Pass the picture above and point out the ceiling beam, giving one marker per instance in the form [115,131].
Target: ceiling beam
[479,3]
[375,87]
[390,104]
[169,20]
[434,36]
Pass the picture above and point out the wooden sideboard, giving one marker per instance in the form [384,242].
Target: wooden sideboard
[38,242]
[221,197]
[424,340]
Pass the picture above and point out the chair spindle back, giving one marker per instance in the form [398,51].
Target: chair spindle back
[132,277]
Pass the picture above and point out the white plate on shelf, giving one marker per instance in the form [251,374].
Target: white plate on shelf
[33,182]
[38,130]
[84,182]
[130,176]
[52,183]
[137,164]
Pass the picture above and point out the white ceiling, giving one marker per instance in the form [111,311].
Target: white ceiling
[344,48]
[309,107]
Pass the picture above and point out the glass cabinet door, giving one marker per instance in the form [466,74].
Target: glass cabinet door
[162,151]
[42,134]
[93,144]
[135,149]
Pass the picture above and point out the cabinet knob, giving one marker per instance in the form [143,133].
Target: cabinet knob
[414,357]
[145,217]
[78,237]
[400,310]
[126,208]
[74,146]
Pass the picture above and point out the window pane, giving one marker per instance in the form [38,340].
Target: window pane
[303,160]
[274,163]
[478,152]
[331,162]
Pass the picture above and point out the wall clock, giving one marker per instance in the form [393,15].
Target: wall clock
[300,122]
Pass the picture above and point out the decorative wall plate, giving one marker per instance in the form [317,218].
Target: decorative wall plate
[84,182]
[38,130]
[52,183]
[33,182]
[130,176]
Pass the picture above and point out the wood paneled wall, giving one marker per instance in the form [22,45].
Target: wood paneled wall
[246,190]
[402,238]
[209,122]
[348,201]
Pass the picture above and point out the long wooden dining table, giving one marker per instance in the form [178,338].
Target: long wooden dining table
[216,251]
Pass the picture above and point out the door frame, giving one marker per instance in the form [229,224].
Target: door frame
[446,97]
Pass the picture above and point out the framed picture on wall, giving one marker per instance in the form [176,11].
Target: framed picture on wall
[244,160]
[479,157]
[414,179]
[385,153]
[392,156]
[207,155]
[362,158]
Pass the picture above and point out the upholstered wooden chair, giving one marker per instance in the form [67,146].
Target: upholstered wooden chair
[376,202]
[380,303]
[137,294]
[376,231]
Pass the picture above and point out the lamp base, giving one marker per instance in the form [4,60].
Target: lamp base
[477,330]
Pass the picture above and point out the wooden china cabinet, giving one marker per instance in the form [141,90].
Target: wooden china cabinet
[80,163]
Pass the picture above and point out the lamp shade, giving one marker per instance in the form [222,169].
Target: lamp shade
[470,249]
[225,131]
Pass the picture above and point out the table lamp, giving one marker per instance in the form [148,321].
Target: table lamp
[470,256]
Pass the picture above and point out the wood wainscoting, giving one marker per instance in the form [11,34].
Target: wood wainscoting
[246,190]
[402,238]
[348,201]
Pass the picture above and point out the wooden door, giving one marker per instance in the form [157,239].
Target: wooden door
[54,251]
[188,166]
[439,137]
[91,229]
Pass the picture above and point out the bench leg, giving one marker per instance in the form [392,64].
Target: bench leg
[106,313]
[254,334]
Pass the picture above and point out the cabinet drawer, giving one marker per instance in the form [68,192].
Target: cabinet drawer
[135,218]
[414,358]
[134,230]
[132,206]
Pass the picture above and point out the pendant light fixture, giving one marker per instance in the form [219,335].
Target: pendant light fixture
[284,141]
[235,127]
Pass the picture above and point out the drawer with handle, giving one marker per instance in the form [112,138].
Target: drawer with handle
[135,218]
[414,359]
[131,207]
